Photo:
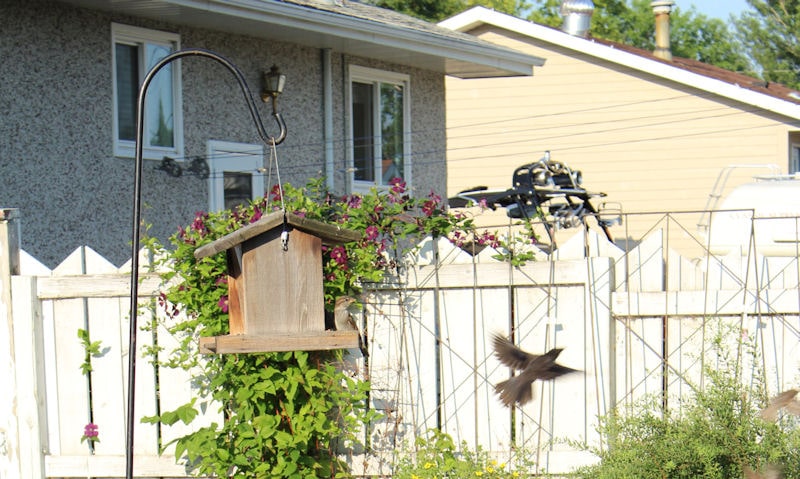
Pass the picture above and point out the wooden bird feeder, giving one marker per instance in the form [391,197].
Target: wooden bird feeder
[275,298]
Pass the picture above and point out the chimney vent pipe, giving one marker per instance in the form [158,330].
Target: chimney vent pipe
[577,15]
[662,9]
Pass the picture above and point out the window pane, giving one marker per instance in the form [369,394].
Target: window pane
[127,90]
[159,126]
[363,132]
[238,188]
[391,131]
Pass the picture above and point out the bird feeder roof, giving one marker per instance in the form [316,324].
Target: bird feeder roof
[330,234]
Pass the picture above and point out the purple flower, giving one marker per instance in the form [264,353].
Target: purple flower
[398,185]
[339,254]
[488,239]
[276,193]
[458,238]
[90,430]
[90,433]
[372,232]
[223,303]
[429,207]
[256,214]
[354,201]
[199,223]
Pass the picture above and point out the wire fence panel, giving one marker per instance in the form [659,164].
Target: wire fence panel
[637,318]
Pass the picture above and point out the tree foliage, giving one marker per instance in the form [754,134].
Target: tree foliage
[770,33]
[436,10]
[693,35]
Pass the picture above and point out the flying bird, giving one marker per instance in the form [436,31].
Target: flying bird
[770,472]
[785,400]
[531,367]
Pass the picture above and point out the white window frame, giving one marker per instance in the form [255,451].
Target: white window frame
[361,74]
[131,35]
[794,158]
[228,156]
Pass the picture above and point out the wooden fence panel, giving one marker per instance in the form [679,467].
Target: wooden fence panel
[72,394]
[431,361]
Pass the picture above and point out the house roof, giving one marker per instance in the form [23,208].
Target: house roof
[345,26]
[718,81]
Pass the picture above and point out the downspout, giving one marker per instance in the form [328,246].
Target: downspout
[327,116]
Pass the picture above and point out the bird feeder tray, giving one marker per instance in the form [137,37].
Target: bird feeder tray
[275,293]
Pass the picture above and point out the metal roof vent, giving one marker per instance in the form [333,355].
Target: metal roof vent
[577,16]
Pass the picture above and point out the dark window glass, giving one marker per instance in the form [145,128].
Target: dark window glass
[391,132]
[238,188]
[127,89]
[363,132]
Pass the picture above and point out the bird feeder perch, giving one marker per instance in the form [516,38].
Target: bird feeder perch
[275,297]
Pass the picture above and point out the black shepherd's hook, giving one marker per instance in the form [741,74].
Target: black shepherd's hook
[137,202]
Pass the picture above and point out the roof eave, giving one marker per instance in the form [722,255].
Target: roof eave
[341,32]
[477,16]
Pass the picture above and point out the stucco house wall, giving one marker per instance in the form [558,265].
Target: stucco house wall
[56,143]
[652,144]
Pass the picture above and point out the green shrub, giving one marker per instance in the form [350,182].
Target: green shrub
[716,434]
[437,457]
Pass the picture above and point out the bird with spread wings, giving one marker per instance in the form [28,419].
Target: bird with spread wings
[530,367]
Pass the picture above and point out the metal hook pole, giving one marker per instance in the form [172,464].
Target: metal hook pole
[137,203]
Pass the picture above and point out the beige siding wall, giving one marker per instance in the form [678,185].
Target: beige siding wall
[649,144]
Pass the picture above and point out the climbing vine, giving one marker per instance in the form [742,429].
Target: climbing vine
[285,414]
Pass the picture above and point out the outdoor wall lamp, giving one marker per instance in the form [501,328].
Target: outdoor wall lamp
[273,86]
[270,141]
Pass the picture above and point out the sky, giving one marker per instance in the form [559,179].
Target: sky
[721,9]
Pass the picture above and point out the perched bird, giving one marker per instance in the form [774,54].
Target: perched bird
[531,367]
[342,318]
[344,321]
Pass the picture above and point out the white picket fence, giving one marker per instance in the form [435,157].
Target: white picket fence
[634,323]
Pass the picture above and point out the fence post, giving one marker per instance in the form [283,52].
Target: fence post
[9,265]
[29,369]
